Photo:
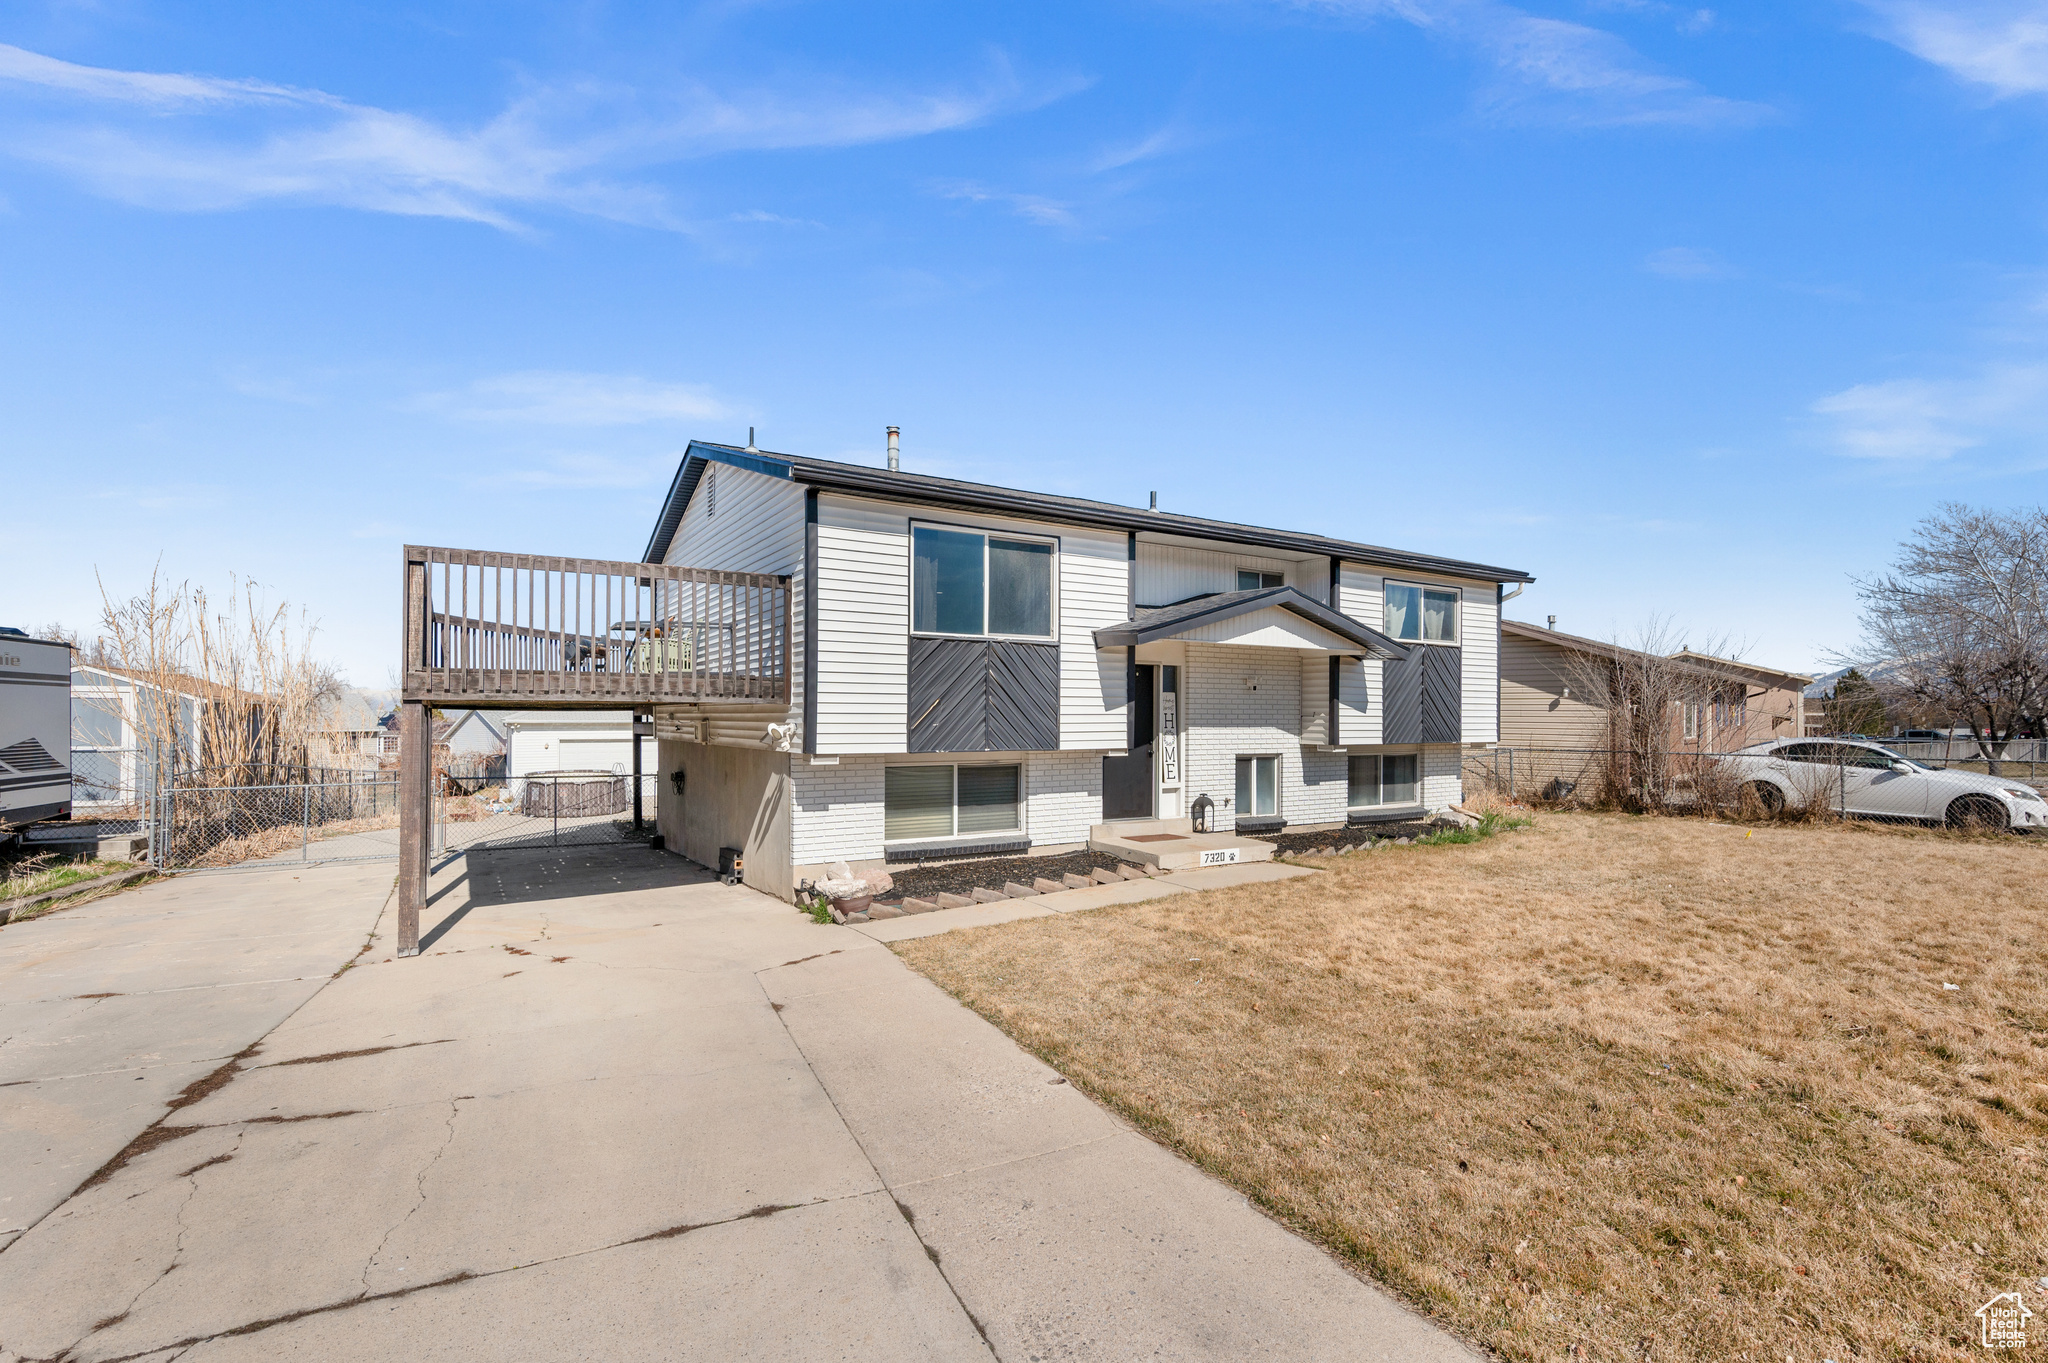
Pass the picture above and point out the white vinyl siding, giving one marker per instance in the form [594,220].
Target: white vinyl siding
[1479,636]
[1170,572]
[1358,686]
[1095,579]
[1362,597]
[863,626]
[758,528]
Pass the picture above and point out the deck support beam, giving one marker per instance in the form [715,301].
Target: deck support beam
[415,775]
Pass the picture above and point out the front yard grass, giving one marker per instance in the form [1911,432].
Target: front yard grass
[1608,1088]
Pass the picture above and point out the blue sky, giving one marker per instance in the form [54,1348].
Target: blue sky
[1687,311]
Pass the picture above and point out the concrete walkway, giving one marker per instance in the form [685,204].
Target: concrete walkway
[621,1111]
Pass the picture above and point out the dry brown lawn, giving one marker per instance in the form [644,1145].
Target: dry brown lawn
[1607,1088]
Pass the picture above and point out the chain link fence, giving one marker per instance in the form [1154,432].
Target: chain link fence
[1690,782]
[552,809]
[258,825]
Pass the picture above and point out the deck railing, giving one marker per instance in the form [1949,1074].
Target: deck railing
[532,630]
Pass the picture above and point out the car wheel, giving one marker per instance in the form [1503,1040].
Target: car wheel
[1768,796]
[1977,811]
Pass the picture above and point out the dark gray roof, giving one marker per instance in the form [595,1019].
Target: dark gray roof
[1164,622]
[925,490]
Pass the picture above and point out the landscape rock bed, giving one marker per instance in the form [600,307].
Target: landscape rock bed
[965,877]
[1332,840]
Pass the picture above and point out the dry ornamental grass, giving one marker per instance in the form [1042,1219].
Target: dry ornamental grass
[1610,1088]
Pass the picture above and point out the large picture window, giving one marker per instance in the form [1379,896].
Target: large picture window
[965,582]
[1258,787]
[934,800]
[1383,779]
[1426,615]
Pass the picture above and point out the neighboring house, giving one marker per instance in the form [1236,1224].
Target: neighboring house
[352,732]
[1544,700]
[571,740]
[978,670]
[471,743]
[116,748]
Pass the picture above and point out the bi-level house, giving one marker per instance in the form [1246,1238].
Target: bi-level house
[974,670]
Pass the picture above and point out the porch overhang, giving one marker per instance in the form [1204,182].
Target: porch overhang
[1269,617]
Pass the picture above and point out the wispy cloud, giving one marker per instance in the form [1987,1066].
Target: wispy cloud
[1552,71]
[560,398]
[197,143]
[1033,208]
[1171,137]
[1688,263]
[1916,420]
[2001,45]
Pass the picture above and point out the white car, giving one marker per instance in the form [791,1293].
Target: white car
[1872,781]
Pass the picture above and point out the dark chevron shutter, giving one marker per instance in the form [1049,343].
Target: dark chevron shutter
[1401,698]
[948,695]
[976,695]
[1443,695]
[1423,696]
[1023,697]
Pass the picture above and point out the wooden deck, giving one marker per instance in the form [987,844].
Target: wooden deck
[528,631]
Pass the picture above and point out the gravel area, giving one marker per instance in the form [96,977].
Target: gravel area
[1337,839]
[964,877]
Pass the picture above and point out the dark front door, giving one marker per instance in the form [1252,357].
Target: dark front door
[1127,783]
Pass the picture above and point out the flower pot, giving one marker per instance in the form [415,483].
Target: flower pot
[854,903]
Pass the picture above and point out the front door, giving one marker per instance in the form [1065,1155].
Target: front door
[1127,785]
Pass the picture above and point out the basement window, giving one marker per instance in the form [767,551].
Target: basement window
[967,583]
[934,800]
[1383,779]
[1258,787]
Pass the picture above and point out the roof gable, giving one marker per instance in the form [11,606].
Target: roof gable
[1269,617]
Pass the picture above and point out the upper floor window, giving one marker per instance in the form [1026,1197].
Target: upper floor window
[1423,614]
[966,582]
[1250,580]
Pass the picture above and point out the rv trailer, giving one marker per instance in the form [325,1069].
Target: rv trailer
[35,729]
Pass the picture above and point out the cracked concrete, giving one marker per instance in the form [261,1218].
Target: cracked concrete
[710,1130]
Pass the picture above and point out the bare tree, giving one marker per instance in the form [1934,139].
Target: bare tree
[1963,613]
[230,687]
[1658,715]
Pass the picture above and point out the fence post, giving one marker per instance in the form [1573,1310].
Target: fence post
[415,762]
[555,837]
[305,819]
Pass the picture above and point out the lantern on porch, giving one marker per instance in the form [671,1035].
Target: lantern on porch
[1203,814]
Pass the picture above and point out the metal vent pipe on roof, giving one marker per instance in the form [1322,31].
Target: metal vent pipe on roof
[1553,622]
[1155,501]
[895,454]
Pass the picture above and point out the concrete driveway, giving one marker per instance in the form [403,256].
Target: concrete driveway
[617,1110]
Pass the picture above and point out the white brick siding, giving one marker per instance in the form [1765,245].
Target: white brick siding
[1443,772]
[838,814]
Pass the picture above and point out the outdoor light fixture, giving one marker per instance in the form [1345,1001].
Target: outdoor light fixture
[677,777]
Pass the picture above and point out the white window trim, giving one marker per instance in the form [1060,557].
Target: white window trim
[1408,751]
[1457,610]
[986,534]
[1023,828]
[1279,784]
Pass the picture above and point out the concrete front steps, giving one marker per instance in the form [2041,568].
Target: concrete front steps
[1173,844]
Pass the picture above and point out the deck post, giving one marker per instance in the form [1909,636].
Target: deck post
[415,763]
